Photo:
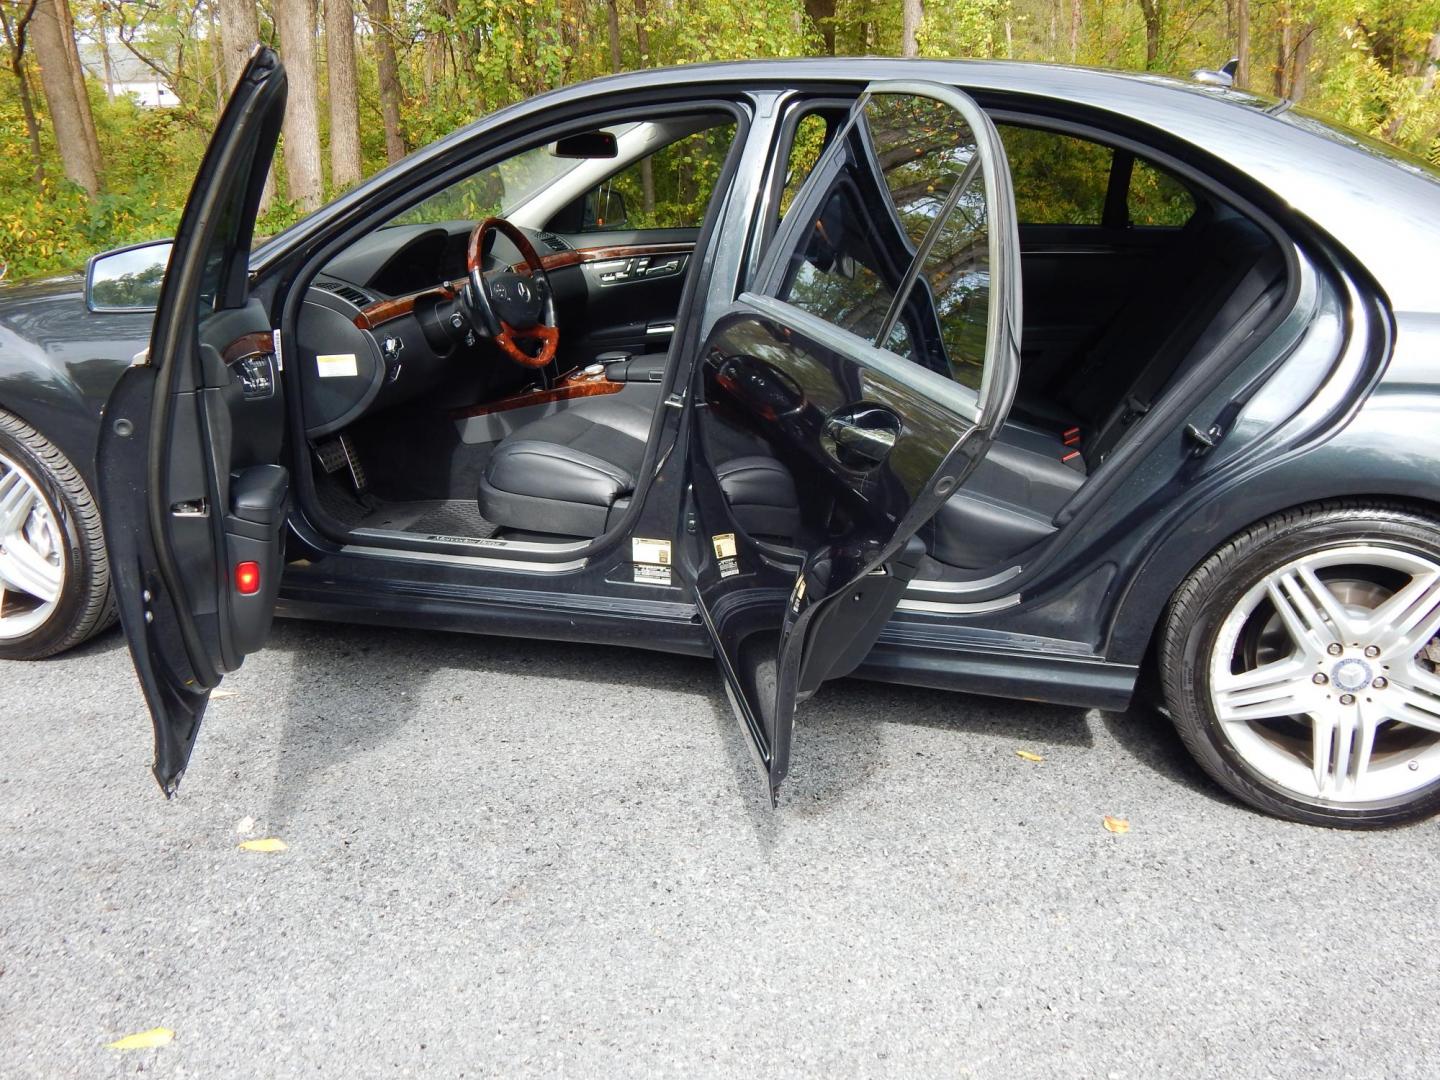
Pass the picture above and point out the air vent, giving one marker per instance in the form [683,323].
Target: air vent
[346,292]
[553,242]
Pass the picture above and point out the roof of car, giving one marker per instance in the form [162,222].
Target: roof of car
[1383,209]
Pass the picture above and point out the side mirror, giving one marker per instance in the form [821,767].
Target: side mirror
[586,144]
[127,279]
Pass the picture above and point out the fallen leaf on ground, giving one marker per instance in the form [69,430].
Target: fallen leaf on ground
[1026,755]
[245,825]
[1116,824]
[144,1040]
[269,843]
[218,695]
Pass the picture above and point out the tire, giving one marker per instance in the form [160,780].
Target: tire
[1293,683]
[63,593]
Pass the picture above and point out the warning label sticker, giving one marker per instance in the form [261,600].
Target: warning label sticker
[724,544]
[652,575]
[650,552]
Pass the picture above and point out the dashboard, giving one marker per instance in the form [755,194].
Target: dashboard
[381,325]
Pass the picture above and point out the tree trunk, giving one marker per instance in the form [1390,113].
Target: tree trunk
[295,24]
[822,14]
[1076,9]
[382,34]
[912,13]
[106,64]
[1283,52]
[1242,44]
[239,34]
[77,76]
[1300,66]
[1151,10]
[15,35]
[1432,62]
[47,32]
[344,97]
[647,174]
[612,27]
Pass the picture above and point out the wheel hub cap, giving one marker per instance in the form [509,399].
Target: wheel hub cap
[1351,674]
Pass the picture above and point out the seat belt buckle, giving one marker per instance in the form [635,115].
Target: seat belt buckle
[1070,436]
[1074,460]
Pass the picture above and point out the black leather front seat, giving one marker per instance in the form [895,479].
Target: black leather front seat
[569,474]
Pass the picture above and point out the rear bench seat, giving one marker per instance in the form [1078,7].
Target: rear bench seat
[1222,268]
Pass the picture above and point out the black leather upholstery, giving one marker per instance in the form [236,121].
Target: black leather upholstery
[569,473]
[761,494]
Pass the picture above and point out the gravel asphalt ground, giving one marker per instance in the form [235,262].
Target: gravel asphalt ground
[514,858]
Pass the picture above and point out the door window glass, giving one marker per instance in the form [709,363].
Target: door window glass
[1157,198]
[897,251]
[805,149]
[669,189]
[1059,179]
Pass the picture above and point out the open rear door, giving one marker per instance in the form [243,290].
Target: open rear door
[192,492]
[838,404]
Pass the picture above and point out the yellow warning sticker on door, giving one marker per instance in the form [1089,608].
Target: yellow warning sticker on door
[650,552]
[798,594]
[724,545]
[336,365]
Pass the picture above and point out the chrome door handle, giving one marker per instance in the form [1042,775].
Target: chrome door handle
[872,444]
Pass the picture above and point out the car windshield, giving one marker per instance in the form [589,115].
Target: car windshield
[499,190]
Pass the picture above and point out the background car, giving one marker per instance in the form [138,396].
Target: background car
[809,427]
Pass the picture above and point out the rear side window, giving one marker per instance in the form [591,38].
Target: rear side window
[1059,179]
[1157,198]
[1066,180]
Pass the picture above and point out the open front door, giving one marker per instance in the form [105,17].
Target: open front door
[843,400]
[192,491]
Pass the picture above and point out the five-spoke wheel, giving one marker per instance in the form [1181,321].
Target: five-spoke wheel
[1300,665]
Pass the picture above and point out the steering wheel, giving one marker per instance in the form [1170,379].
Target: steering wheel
[511,306]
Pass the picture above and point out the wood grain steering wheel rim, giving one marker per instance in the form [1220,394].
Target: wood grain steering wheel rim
[504,335]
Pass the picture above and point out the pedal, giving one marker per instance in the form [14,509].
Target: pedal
[340,453]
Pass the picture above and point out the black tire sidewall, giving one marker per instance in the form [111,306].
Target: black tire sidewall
[74,590]
[1227,579]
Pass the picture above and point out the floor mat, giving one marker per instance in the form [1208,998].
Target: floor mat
[425,517]
[446,517]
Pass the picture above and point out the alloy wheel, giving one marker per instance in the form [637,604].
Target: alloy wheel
[32,568]
[1323,675]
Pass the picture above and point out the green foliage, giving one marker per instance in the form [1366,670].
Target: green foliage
[1365,63]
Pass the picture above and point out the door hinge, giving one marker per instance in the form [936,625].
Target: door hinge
[1204,440]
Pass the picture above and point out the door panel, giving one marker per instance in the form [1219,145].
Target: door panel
[631,292]
[864,378]
[192,489]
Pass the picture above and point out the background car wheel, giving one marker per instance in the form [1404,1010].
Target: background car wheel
[54,577]
[1299,665]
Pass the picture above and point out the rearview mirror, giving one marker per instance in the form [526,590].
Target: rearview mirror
[586,144]
[127,279]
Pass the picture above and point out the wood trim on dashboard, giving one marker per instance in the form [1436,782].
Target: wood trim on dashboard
[382,311]
[577,385]
[260,343]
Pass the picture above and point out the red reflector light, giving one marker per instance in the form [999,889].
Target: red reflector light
[247,578]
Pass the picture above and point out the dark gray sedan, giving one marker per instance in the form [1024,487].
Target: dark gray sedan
[733,360]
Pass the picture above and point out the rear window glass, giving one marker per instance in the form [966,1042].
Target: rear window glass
[1157,198]
[1059,179]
